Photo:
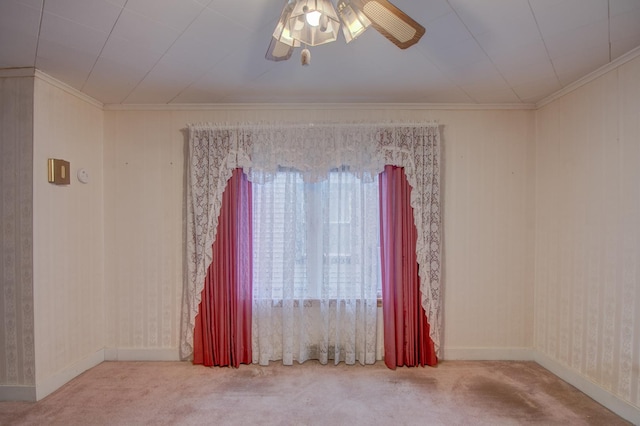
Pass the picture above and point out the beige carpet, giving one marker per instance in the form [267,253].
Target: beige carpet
[173,393]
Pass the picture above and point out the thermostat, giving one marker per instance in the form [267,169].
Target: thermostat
[83,176]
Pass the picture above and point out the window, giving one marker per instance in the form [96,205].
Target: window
[316,240]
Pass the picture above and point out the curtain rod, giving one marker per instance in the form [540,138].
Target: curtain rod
[323,124]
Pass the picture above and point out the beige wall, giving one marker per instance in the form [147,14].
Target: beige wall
[17,353]
[587,274]
[68,249]
[488,166]
[144,223]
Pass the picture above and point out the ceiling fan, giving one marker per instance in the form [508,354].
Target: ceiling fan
[316,22]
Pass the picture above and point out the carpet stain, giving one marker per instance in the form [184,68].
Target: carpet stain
[502,398]
[253,380]
[421,381]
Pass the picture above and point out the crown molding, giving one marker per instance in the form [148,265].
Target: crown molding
[33,72]
[616,63]
[17,72]
[65,87]
[314,106]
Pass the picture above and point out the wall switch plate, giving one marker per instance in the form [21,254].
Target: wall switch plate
[59,172]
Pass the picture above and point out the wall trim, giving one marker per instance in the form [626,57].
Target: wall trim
[616,63]
[622,408]
[65,87]
[17,72]
[486,354]
[314,106]
[50,384]
[133,354]
[18,393]
[33,72]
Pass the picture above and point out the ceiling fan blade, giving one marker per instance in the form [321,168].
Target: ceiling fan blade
[278,51]
[391,22]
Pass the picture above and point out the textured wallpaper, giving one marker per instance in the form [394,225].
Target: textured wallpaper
[144,181]
[587,300]
[68,233]
[17,357]
[488,192]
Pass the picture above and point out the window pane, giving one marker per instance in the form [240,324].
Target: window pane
[316,240]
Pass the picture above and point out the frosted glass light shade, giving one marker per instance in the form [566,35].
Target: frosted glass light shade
[328,25]
[282,33]
[354,21]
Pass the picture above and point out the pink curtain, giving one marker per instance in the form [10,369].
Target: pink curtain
[406,329]
[222,334]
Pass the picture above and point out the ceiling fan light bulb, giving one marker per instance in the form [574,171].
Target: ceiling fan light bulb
[314,22]
[313,18]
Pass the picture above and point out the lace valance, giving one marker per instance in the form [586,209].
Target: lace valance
[314,150]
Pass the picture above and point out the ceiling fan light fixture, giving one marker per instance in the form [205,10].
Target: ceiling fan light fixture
[305,14]
[282,33]
[316,22]
[278,51]
[354,21]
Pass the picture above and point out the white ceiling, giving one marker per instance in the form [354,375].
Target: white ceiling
[212,51]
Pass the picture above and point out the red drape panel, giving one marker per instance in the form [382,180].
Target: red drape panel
[222,334]
[406,329]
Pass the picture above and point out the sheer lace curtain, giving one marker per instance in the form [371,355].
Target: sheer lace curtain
[263,151]
[316,268]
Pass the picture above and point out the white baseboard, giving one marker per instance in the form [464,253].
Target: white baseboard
[18,393]
[49,384]
[598,393]
[132,354]
[487,354]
